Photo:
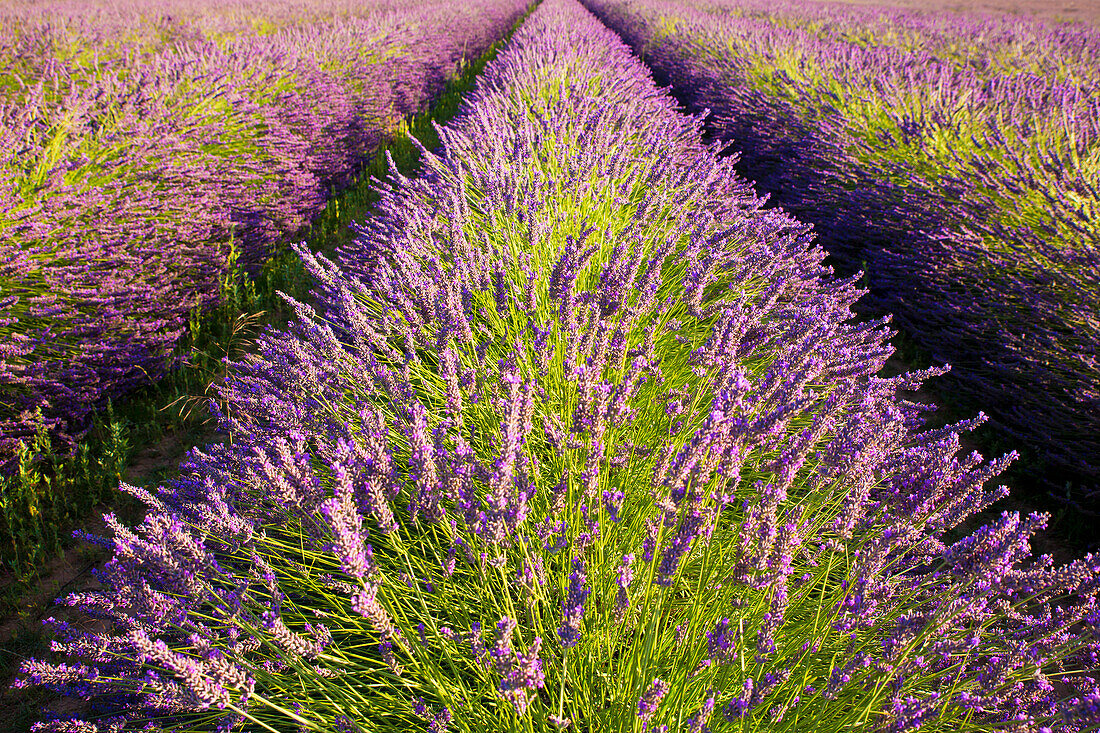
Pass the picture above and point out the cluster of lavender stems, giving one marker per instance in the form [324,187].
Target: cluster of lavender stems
[575,384]
[139,145]
[949,156]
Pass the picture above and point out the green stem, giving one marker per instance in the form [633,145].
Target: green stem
[275,707]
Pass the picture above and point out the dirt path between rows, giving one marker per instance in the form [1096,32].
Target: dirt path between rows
[21,635]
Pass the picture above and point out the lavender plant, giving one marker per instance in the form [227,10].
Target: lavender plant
[139,149]
[949,156]
[579,437]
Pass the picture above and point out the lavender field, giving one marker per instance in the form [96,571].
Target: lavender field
[140,148]
[149,162]
[578,430]
[953,159]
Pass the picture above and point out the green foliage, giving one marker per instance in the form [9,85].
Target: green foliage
[53,491]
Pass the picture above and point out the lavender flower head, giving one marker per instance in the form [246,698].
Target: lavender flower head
[651,698]
[572,606]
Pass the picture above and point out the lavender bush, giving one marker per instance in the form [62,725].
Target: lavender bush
[579,437]
[139,150]
[952,157]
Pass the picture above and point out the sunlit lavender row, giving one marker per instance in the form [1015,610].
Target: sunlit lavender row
[989,43]
[953,158]
[578,437]
[137,143]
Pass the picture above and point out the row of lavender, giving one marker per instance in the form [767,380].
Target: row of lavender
[137,147]
[579,436]
[953,158]
[1001,44]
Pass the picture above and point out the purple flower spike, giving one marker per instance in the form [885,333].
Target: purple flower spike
[651,698]
[722,643]
[572,606]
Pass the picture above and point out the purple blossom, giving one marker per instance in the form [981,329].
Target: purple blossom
[697,723]
[625,578]
[679,544]
[740,705]
[438,722]
[613,501]
[366,604]
[347,527]
[344,724]
[477,646]
[722,643]
[651,698]
[572,606]
[526,675]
